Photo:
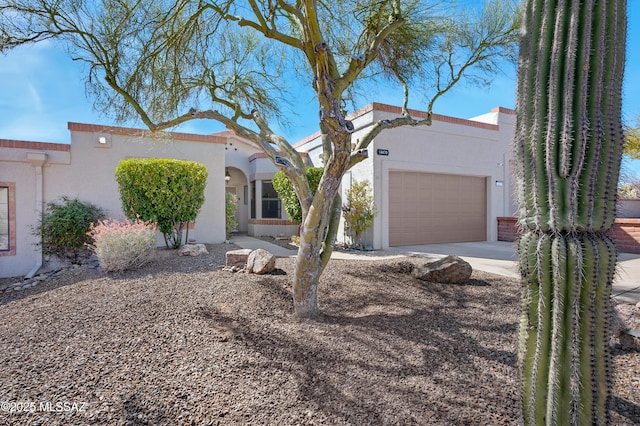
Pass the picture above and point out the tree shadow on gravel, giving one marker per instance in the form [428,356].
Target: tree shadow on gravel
[626,409]
[420,365]
[137,412]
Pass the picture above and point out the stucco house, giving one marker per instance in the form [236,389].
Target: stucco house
[34,173]
[447,182]
[443,183]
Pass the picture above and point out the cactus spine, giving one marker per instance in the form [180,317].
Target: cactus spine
[568,147]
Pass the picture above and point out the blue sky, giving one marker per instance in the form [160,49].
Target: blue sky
[41,89]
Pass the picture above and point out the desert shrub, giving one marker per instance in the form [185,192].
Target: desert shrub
[166,192]
[629,191]
[123,245]
[286,192]
[230,208]
[63,228]
[358,211]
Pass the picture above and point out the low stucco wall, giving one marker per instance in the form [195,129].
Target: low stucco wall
[625,233]
[507,229]
[629,208]
[272,227]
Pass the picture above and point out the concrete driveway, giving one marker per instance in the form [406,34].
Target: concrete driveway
[500,257]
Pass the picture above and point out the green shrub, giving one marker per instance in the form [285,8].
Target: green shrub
[287,194]
[230,208]
[166,192]
[358,211]
[628,191]
[123,245]
[63,228]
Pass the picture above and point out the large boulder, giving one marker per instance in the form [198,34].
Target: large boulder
[260,262]
[450,269]
[192,250]
[237,257]
[626,317]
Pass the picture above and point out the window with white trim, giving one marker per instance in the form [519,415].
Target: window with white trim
[271,204]
[4,219]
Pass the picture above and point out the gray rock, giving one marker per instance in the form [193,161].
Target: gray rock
[625,317]
[192,250]
[260,262]
[12,285]
[237,257]
[450,269]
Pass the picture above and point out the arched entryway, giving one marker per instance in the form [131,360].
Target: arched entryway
[236,183]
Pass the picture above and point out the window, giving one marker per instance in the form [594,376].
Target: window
[7,219]
[270,202]
[253,199]
[4,218]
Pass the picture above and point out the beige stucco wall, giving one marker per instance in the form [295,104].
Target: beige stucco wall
[88,173]
[16,167]
[628,208]
[91,175]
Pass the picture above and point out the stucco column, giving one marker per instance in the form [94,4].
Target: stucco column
[37,160]
[258,199]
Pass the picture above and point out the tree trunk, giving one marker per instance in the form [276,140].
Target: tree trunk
[307,277]
[318,231]
[309,267]
[313,255]
[568,147]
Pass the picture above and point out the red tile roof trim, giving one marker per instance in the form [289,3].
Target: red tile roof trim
[225,133]
[421,114]
[125,131]
[41,146]
[375,106]
[504,110]
[307,139]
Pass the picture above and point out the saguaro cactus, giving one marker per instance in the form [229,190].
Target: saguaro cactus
[568,147]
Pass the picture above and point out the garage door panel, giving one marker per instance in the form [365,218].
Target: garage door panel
[429,208]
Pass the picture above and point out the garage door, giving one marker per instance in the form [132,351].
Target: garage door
[429,208]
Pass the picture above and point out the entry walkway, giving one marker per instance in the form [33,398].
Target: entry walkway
[490,256]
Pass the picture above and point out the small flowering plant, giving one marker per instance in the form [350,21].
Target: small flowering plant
[123,245]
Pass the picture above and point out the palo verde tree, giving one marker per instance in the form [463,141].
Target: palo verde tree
[236,62]
[568,144]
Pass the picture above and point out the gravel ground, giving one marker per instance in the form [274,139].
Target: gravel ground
[180,342]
